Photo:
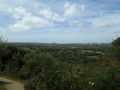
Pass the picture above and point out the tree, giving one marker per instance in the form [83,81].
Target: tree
[113,53]
[3,52]
[116,43]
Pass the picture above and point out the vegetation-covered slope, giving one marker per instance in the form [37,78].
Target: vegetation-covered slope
[62,67]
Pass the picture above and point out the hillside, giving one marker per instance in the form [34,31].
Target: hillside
[62,67]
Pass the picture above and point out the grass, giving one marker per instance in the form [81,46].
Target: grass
[14,78]
[1,86]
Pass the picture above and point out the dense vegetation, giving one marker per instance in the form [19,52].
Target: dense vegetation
[63,67]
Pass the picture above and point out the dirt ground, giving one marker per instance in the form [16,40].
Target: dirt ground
[11,85]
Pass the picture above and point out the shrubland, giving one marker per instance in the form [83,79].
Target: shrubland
[63,68]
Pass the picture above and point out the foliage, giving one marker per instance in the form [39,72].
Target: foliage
[1,86]
[116,43]
[113,54]
[63,67]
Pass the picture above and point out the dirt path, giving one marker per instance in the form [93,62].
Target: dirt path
[11,85]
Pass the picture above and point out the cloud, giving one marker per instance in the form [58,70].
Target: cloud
[1,29]
[27,21]
[106,21]
[82,7]
[73,10]
[101,24]
[70,10]
[73,23]
[47,13]
[51,15]
[5,4]
[57,17]
[80,25]
[36,5]
[18,12]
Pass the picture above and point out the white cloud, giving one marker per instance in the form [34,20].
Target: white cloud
[19,26]
[5,4]
[18,12]
[1,29]
[36,5]
[51,15]
[73,23]
[57,17]
[73,9]
[80,25]
[82,7]
[101,24]
[106,21]
[29,22]
[70,10]
[47,13]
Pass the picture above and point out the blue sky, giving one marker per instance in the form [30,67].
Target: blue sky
[60,21]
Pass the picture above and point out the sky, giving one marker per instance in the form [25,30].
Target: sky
[60,21]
